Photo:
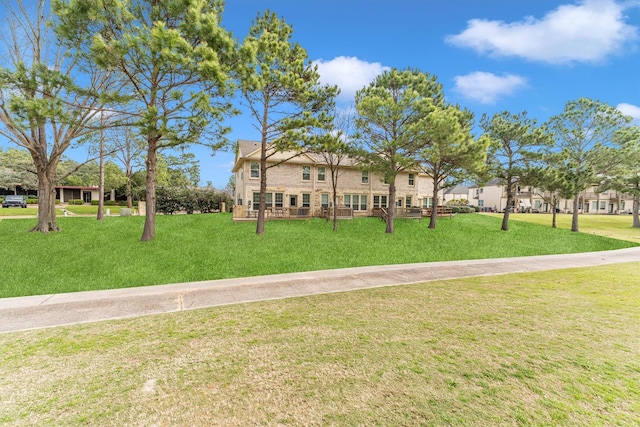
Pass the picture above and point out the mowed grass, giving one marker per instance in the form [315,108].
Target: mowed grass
[614,226]
[90,254]
[550,348]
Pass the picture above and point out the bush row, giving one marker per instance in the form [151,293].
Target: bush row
[172,200]
[464,209]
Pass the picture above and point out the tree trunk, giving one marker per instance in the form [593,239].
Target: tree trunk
[574,218]
[334,185]
[434,206]
[392,206]
[129,196]
[636,213]
[46,201]
[100,215]
[553,220]
[507,209]
[149,232]
[263,185]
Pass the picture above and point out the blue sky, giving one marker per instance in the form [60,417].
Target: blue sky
[490,56]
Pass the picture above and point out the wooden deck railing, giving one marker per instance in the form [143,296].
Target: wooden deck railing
[342,212]
[441,211]
[282,213]
[383,213]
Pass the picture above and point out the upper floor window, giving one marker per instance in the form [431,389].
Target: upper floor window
[412,179]
[365,177]
[255,170]
[321,173]
[306,173]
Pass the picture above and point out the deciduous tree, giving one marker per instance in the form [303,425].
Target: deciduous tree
[42,106]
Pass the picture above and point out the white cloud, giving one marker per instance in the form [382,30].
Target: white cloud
[349,73]
[629,110]
[486,88]
[585,32]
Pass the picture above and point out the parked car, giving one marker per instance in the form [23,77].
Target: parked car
[14,202]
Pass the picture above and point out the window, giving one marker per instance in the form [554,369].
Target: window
[399,203]
[324,200]
[306,173]
[412,179]
[427,202]
[356,201]
[594,205]
[379,201]
[321,173]
[255,170]
[480,203]
[603,205]
[268,200]
[306,200]
[363,203]
[365,177]
[407,201]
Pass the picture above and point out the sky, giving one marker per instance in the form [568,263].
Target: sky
[490,56]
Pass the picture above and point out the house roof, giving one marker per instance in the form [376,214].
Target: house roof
[458,189]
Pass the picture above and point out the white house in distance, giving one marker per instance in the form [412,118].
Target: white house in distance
[493,195]
[304,181]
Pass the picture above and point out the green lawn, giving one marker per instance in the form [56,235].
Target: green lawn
[90,254]
[543,349]
[73,209]
[614,226]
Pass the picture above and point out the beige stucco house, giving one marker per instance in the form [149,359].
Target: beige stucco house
[304,181]
[493,195]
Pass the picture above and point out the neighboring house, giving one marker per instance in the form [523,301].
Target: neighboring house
[65,193]
[304,181]
[493,196]
[459,192]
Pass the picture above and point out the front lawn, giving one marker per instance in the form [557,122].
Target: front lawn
[554,348]
[90,254]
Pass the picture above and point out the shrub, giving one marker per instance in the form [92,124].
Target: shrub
[95,202]
[110,203]
[76,202]
[32,201]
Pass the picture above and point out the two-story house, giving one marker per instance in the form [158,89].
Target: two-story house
[304,181]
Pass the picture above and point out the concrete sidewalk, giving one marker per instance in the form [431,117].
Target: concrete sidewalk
[43,311]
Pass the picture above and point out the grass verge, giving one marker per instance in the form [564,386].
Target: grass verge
[613,226]
[90,254]
[550,348]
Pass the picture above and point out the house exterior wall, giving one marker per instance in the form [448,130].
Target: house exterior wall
[299,182]
[590,201]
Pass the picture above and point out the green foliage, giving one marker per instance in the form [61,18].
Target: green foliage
[171,200]
[515,145]
[32,201]
[392,119]
[282,90]
[177,61]
[584,132]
